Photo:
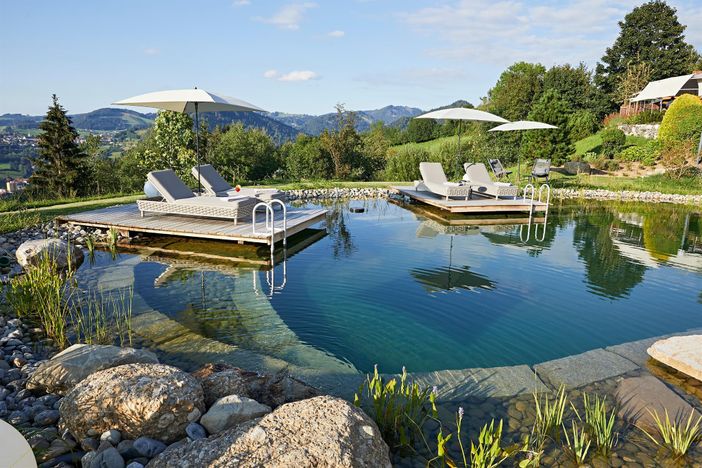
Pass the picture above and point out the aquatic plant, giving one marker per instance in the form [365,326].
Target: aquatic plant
[399,411]
[578,444]
[549,418]
[676,436]
[112,239]
[599,424]
[488,452]
[101,318]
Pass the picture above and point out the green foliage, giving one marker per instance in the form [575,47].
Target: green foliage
[517,89]
[682,120]
[102,318]
[305,159]
[582,124]
[403,162]
[419,130]
[647,154]
[552,144]
[549,418]
[613,141]
[678,437]
[242,155]
[173,145]
[400,411]
[650,33]
[488,452]
[649,116]
[573,84]
[599,423]
[676,157]
[578,443]
[59,166]
[343,145]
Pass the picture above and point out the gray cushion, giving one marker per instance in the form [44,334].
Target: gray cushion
[169,185]
[210,178]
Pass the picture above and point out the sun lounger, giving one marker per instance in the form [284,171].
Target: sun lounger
[498,169]
[214,184]
[434,180]
[476,173]
[179,199]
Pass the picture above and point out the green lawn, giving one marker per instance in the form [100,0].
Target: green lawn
[594,142]
[16,204]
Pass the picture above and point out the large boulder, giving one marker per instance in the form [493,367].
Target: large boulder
[32,252]
[320,432]
[65,370]
[230,411]
[151,400]
[219,380]
[682,353]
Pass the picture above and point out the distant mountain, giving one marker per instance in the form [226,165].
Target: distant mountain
[316,124]
[279,131]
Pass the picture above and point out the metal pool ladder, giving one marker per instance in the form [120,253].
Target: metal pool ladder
[270,230]
[547,189]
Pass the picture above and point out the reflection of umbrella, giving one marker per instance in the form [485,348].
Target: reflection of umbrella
[188,101]
[461,114]
[521,125]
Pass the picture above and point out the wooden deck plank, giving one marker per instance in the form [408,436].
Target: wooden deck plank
[473,205]
[128,218]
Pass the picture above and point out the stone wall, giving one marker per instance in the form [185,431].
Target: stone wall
[649,131]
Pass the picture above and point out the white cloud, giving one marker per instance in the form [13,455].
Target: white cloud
[289,16]
[295,75]
[503,31]
[336,33]
[240,3]
[151,51]
[299,75]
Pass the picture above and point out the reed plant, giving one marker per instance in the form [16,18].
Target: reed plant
[578,443]
[112,238]
[677,436]
[599,423]
[104,318]
[549,418]
[399,408]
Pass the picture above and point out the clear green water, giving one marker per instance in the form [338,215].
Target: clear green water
[393,286]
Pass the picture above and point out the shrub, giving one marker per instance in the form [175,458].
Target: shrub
[613,141]
[683,120]
[403,162]
[675,157]
[646,117]
[647,154]
[582,124]
[613,119]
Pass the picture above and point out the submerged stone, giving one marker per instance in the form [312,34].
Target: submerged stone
[682,353]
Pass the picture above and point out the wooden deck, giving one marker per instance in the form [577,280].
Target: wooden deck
[127,219]
[475,205]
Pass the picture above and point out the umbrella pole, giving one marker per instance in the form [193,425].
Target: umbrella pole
[458,150]
[197,150]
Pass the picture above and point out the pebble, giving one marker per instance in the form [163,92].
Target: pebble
[46,418]
[135,464]
[109,458]
[89,444]
[195,431]
[148,447]
[127,450]
[113,436]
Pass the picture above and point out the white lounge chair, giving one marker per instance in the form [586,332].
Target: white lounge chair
[476,173]
[434,180]
[214,184]
[179,199]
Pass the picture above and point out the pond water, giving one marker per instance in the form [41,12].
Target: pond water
[402,285]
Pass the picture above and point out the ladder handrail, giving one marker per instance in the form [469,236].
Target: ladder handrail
[548,193]
[270,221]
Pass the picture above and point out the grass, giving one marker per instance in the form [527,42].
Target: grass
[18,203]
[593,143]
[599,423]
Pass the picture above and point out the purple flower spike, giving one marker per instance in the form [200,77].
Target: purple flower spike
[460,412]
[434,390]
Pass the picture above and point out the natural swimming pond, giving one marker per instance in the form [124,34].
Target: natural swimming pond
[404,285]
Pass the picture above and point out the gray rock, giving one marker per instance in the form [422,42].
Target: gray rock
[582,369]
[33,251]
[231,410]
[195,431]
[148,447]
[89,444]
[66,369]
[151,400]
[135,464]
[127,450]
[113,436]
[46,418]
[109,458]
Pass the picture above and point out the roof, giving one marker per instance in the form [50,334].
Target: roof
[663,88]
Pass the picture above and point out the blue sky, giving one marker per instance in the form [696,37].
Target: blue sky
[299,56]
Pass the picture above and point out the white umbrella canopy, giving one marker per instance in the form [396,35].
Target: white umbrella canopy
[462,113]
[521,125]
[187,101]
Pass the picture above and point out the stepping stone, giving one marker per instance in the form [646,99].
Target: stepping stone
[638,397]
[682,353]
[583,369]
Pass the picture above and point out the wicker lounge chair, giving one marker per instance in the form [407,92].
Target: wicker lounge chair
[214,184]
[476,173]
[179,199]
[434,180]
[542,168]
